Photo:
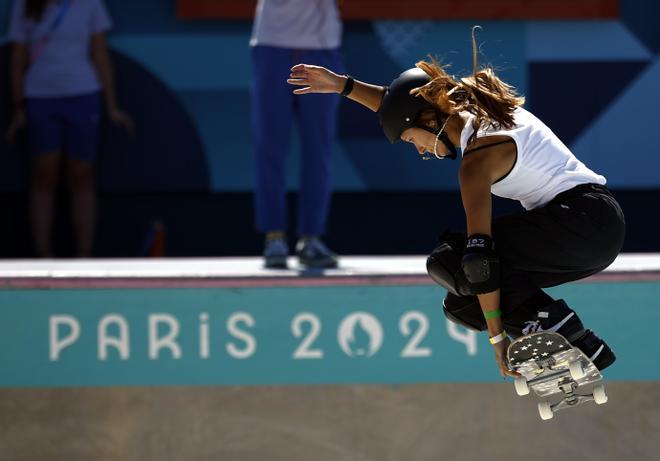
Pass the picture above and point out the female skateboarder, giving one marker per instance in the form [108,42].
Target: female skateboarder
[495,272]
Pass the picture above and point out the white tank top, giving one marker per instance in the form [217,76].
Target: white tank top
[544,165]
[297,24]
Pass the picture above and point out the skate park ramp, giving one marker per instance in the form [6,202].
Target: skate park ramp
[220,359]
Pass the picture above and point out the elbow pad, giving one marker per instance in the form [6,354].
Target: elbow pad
[480,264]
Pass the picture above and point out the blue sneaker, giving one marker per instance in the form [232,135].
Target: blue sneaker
[276,252]
[313,253]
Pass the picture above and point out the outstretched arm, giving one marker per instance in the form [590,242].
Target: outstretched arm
[317,79]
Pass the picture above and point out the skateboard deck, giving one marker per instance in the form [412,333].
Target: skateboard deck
[550,365]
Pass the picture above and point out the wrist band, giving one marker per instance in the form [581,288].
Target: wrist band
[498,338]
[492,314]
[348,87]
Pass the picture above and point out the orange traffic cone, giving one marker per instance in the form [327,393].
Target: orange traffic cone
[155,245]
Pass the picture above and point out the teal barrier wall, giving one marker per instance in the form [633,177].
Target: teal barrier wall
[262,336]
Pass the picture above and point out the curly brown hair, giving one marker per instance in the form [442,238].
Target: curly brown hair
[483,94]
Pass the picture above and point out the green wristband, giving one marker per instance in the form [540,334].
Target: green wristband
[492,314]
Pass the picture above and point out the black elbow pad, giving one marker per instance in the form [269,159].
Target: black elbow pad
[481,265]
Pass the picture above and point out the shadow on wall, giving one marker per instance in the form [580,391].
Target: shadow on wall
[164,154]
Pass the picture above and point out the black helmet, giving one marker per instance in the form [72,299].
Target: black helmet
[399,108]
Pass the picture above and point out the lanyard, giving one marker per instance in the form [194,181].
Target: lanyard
[62,10]
[41,44]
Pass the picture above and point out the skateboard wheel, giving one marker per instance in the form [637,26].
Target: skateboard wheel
[545,411]
[600,397]
[576,370]
[521,386]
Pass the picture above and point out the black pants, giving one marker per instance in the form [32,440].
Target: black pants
[579,233]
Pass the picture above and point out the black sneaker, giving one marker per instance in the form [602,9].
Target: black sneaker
[596,349]
[276,252]
[557,317]
[313,253]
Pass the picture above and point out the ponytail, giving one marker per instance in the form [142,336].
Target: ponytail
[483,94]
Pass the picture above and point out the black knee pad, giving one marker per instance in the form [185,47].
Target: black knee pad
[465,311]
[444,264]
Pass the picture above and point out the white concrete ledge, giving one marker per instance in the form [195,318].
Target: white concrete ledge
[204,268]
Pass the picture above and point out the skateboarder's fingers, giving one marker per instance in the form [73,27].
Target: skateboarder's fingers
[512,373]
[506,371]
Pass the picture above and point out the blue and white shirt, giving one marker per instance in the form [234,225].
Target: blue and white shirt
[297,24]
[62,67]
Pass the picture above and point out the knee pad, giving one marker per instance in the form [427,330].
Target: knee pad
[444,264]
[465,311]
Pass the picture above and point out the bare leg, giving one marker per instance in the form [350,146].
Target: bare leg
[43,187]
[82,196]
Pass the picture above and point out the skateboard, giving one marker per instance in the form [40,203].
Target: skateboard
[550,365]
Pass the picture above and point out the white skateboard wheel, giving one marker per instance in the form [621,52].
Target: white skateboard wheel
[576,370]
[521,386]
[545,411]
[600,397]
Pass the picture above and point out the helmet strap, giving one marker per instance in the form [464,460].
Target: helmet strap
[442,136]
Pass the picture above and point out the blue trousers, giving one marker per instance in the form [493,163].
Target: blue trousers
[274,109]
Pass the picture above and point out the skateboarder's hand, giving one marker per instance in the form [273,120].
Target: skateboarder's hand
[500,357]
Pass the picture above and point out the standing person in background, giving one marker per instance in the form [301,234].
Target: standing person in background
[286,32]
[59,63]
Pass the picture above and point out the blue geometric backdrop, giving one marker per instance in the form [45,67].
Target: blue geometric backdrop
[595,83]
